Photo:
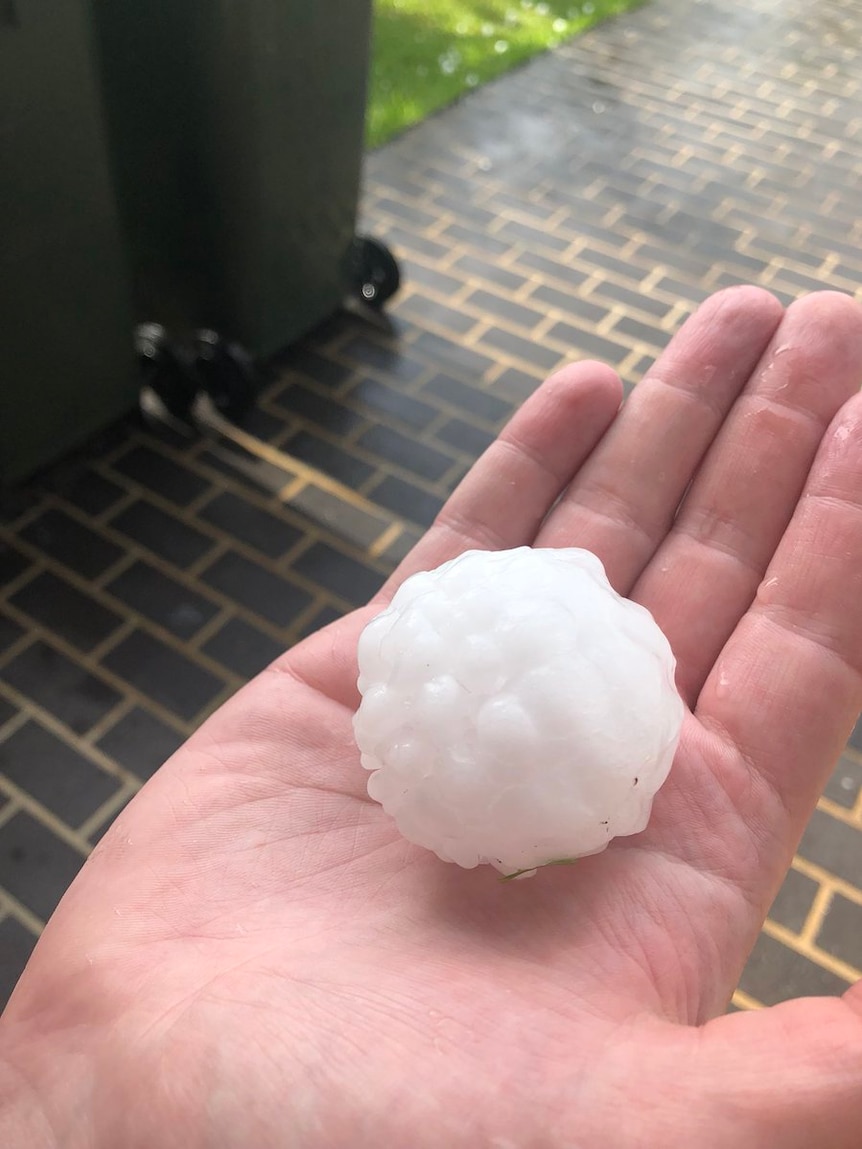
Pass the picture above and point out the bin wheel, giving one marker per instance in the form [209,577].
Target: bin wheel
[376,276]
[226,372]
[165,369]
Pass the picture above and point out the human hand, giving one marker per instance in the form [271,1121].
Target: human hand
[252,956]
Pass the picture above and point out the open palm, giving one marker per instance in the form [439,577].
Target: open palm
[253,957]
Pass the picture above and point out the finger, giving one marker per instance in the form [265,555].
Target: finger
[624,500]
[500,504]
[788,1076]
[505,497]
[787,688]
[706,573]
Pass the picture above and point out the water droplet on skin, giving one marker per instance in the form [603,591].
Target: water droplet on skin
[773,363]
[722,688]
[766,589]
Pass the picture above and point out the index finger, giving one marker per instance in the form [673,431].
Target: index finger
[623,501]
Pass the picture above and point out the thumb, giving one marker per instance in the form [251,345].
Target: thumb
[789,1076]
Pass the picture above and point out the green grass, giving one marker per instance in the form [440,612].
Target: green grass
[428,52]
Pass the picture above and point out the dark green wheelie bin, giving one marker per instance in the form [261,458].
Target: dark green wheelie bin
[237,132]
[65,354]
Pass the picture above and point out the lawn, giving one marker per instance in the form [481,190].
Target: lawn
[429,52]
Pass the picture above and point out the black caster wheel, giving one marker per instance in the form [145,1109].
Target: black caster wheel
[376,275]
[226,372]
[165,369]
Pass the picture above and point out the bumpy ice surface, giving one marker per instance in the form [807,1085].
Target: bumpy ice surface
[516,710]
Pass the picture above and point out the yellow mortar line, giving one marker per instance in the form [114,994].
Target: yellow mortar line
[814,919]
[8,812]
[29,573]
[42,814]
[117,636]
[289,464]
[15,648]
[107,722]
[540,331]
[452,477]
[31,707]
[290,490]
[127,544]
[438,422]
[839,813]
[825,878]
[649,284]
[745,1001]
[211,628]
[309,476]
[18,910]
[827,961]
[132,618]
[110,806]
[385,540]
[117,568]
[483,316]
[436,327]
[605,325]
[116,508]
[25,519]
[13,725]
[630,361]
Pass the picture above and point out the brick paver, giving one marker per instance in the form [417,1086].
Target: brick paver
[581,206]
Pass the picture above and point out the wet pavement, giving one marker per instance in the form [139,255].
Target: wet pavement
[581,206]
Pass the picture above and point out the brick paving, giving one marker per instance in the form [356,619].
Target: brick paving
[581,206]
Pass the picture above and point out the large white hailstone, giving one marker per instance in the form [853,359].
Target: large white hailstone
[516,710]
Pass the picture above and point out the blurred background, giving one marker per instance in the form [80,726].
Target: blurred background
[274,275]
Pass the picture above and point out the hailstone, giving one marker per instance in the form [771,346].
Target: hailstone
[515,709]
